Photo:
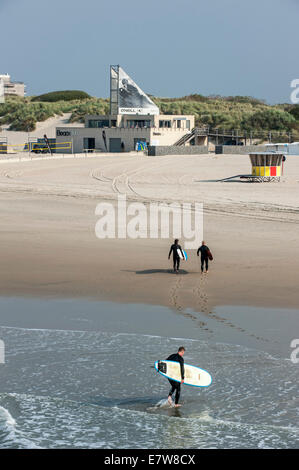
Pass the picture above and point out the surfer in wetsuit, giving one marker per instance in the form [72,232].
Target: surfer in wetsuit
[204,250]
[176,386]
[176,258]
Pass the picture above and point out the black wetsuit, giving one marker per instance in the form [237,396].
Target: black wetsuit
[176,386]
[203,249]
[176,259]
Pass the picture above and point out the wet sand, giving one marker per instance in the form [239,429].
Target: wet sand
[49,248]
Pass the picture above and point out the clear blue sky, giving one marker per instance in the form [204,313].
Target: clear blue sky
[170,47]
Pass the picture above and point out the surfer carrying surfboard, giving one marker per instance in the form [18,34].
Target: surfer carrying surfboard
[177,254]
[176,386]
[206,255]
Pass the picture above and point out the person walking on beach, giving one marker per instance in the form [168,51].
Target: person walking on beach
[176,386]
[205,256]
[176,257]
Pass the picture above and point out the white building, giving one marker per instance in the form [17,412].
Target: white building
[2,99]
[11,88]
[286,148]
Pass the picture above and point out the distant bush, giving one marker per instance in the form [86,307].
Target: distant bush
[94,106]
[243,99]
[194,97]
[269,119]
[66,95]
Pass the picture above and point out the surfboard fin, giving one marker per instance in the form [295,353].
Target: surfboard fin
[162,367]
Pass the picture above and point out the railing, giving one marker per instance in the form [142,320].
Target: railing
[269,135]
[186,137]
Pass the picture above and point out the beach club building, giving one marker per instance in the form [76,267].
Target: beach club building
[134,122]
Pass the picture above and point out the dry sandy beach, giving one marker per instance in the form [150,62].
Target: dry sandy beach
[49,247]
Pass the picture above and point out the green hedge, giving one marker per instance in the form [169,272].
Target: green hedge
[66,95]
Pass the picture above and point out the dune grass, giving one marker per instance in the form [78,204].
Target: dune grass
[233,112]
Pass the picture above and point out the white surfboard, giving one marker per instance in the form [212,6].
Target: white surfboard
[193,375]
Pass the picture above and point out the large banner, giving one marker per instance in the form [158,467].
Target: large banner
[1,91]
[131,99]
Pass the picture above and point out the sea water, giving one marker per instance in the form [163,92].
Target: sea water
[74,378]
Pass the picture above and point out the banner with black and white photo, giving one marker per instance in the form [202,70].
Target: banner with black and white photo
[131,99]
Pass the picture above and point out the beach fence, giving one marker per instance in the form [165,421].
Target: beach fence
[49,146]
[266,166]
[35,146]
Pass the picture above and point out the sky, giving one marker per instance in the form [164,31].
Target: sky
[170,48]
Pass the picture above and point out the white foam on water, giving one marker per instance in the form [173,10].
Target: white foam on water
[5,418]
[164,403]
[7,427]
[58,423]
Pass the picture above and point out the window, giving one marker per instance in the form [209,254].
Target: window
[164,124]
[98,123]
[133,123]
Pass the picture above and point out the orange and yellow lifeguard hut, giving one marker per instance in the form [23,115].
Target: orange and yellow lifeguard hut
[266,166]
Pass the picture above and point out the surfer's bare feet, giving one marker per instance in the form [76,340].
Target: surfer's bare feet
[170,400]
[177,405]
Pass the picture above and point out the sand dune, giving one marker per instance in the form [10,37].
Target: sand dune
[48,127]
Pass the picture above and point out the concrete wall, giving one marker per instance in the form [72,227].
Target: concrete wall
[177,150]
[238,149]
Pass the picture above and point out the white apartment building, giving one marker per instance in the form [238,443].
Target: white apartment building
[12,88]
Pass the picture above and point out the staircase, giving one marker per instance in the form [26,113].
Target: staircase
[186,138]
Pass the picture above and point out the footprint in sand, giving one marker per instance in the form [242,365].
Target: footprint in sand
[175,303]
[201,295]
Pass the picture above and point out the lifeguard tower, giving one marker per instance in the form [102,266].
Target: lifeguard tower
[266,166]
